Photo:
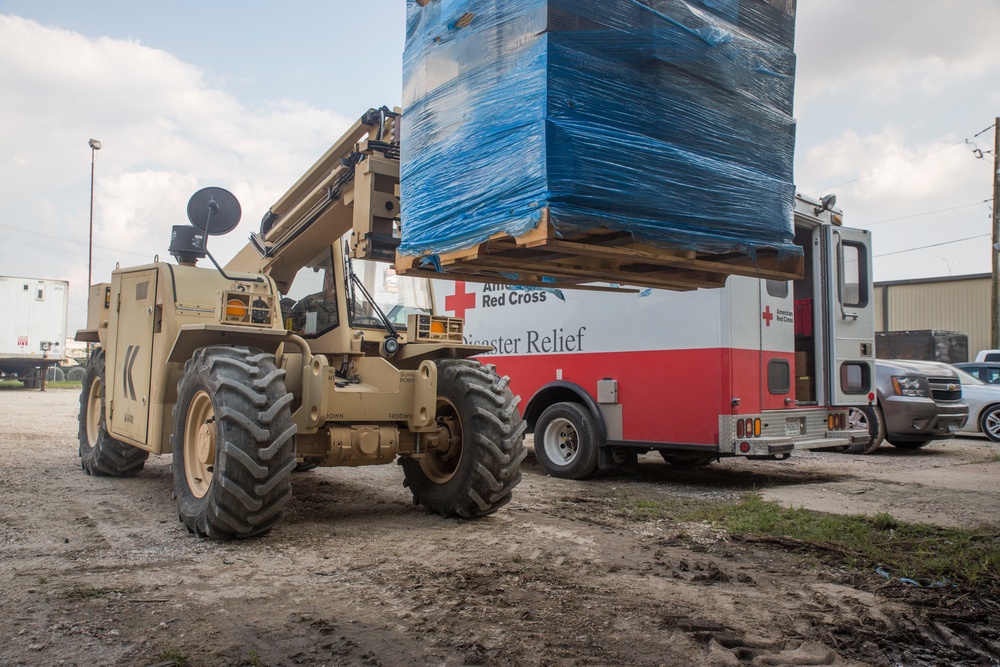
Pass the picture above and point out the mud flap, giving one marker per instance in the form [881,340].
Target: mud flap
[613,458]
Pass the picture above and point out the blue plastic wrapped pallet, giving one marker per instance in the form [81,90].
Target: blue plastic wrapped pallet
[638,123]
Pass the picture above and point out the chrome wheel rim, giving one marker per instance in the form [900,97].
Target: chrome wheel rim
[991,424]
[859,420]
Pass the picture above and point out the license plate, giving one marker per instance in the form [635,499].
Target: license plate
[793,428]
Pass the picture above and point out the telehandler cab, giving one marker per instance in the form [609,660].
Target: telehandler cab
[306,349]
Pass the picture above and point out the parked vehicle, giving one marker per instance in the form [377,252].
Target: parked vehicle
[756,369]
[988,355]
[918,402]
[33,329]
[984,406]
[986,371]
[924,344]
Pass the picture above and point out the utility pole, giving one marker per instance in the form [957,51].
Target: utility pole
[995,305]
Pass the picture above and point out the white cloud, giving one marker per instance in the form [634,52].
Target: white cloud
[166,132]
[890,47]
[891,166]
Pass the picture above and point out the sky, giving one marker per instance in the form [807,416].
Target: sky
[892,101]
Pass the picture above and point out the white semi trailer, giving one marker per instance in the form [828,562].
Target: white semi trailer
[33,327]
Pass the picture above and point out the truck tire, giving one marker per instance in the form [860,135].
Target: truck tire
[566,441]
[100,454]
[989,423]
[233,443]
[76,374]
[54,374]
[869,417]
[476,476]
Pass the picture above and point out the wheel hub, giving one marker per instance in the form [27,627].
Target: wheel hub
[206,444]
[442,461]
[94,408]
[560,441]
[199,444]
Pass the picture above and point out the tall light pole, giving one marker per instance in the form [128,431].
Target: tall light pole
[95,146]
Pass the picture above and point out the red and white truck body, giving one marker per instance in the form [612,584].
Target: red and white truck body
[756,368]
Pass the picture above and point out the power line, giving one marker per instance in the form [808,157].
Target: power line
[63,238]
[919,215]
[933,245]
[900,164]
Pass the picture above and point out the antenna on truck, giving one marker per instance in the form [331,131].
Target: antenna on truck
[212,211]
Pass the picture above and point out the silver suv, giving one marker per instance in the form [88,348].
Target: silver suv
[918,401]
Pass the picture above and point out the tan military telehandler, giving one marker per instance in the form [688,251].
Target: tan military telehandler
[306,349]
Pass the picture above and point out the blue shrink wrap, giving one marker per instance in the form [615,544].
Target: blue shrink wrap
[667,119]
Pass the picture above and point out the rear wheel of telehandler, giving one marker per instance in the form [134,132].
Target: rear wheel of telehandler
[100,454]
[232,442]
[480,444]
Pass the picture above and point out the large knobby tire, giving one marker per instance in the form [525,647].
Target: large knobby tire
[233,443]
[100,454]
[870,418]
[989,422]
[475,476]
[566,441]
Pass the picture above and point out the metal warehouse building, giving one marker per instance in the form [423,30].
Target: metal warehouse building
[953,303]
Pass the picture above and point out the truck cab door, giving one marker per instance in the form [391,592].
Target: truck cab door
[849,316]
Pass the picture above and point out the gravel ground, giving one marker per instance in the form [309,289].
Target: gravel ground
[98,571]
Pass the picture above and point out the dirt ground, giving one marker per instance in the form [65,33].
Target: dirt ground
[98,571]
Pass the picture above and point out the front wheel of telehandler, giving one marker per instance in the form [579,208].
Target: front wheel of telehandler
[480,444]
[100,454]
[233,438]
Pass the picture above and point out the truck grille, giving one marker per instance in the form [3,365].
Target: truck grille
[945,389]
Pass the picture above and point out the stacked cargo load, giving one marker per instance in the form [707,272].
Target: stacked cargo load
[647,142]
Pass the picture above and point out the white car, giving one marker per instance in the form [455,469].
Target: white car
[984,406]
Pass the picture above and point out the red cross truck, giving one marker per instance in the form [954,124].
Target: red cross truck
[758,368]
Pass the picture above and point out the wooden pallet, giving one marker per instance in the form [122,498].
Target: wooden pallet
[538,258]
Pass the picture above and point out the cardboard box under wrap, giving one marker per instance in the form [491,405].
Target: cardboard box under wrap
[665,119]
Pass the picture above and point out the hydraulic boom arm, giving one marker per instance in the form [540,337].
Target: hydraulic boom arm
[353,187]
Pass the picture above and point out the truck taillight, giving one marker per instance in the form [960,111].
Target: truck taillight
[749,428]
[836,421]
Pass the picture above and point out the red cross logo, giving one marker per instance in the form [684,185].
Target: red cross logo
[768,316]
[461,301]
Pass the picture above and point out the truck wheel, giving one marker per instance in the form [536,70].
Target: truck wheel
[232,442]
[867,418]
[477,473]
[100,454]
[76,374]
[679,460]
[916,444]
[989,423]
[54,374]
[566,441]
